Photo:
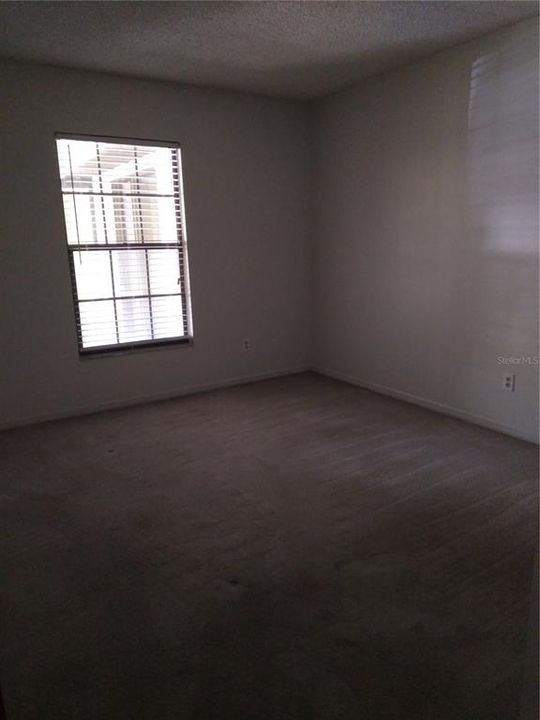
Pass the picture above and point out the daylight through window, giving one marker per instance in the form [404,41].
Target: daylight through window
[125,228]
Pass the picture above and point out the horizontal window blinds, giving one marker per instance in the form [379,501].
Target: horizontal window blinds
[123,212]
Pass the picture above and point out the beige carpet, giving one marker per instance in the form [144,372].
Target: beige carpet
[296,548]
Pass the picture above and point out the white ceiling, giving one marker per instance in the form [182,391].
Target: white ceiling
[289,49]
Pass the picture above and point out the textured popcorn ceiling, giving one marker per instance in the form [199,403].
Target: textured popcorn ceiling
[289,49]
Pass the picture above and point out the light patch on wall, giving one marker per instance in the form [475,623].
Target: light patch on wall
[503,148]
[503,197]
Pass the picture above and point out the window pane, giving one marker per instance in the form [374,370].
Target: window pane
[164,268]
[134,320]
[168,316]
[97,323]
[93,274]
[75,158]
[82,223]
[162,224]
[125,223]
[135,219]
[130,272]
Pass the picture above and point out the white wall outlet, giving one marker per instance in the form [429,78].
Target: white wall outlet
[509,382]
[246,344]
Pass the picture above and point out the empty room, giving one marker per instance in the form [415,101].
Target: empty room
[269,360]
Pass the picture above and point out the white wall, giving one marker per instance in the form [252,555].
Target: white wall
[246,175]
[425,230]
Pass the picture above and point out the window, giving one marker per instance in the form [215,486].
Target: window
[125,227]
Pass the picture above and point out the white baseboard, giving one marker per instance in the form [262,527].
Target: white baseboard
[151,397]
[429,404]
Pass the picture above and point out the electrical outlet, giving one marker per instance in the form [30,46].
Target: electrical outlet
[509,382]
[246,344]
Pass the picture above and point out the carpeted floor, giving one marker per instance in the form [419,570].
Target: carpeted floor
[292,549]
